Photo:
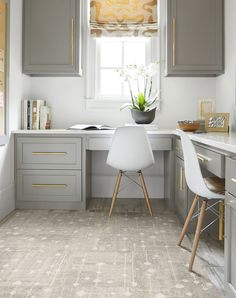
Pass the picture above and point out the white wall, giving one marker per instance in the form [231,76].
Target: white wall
[18,83]
[225,84]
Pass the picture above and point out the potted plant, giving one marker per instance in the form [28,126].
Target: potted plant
[144,97]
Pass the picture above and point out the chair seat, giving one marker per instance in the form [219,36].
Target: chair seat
[215,184]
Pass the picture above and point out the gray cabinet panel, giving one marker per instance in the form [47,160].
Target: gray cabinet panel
[51,37]
[48,185]
[231,176]
[212,161]
[194,37]
[230,246]
[48,153]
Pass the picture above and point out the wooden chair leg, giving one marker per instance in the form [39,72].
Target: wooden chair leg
[188,219]
[145,192]
[116,189]
[197,234]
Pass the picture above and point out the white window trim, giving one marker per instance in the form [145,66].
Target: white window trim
[93,102]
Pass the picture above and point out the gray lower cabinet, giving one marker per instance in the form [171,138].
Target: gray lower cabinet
[52,37]
[194,37]
[181,191]
[230,229]
[49,172]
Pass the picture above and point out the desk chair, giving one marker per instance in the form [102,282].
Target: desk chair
[130,152]
[205,189]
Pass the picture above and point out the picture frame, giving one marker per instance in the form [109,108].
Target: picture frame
[217,122]
[206,106]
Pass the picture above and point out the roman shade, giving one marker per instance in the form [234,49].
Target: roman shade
[123,18]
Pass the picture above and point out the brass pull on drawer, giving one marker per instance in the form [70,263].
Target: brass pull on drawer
[49,185]
[203,158]
[233,180]
[49,153]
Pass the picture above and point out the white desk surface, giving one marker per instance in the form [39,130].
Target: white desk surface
[221,141]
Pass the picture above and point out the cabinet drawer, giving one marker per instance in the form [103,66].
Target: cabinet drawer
[48,185]
[105,143]
[231,176]
[178,148]
[161,143]
[48,153]
[99,143]
[212,161]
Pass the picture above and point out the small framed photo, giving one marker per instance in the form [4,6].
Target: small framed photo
[217,122]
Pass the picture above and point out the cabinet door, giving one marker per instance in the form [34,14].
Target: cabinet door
[230,246]
[194,37]
[51,37]
[181,200]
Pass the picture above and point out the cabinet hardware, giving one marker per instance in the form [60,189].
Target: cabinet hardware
[181,178]
[49,185]
[221,219]
[233,180]
[49,153]
[203,158]
[72,41]
[174,41]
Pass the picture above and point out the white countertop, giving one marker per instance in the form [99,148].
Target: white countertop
[221,141]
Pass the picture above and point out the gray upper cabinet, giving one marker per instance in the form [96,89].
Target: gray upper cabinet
[52,37]
[194,38]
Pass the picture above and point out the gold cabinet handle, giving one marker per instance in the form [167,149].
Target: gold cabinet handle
[181,179]
[221,220]
[174,41]
[72,41]
[203,158]
[49,185]
[233,180]
[49,153]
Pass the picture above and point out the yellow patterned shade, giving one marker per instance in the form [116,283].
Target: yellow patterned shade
[123,18]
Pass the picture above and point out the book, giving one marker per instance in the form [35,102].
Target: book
[31,113]
[45,117]
[91,127]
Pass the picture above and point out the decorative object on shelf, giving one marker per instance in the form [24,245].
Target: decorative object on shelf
[217,122]
[189,125]
[144,98]
[206,106]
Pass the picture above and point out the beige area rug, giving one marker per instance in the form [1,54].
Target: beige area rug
[64,254]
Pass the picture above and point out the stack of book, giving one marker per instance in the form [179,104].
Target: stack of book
[35,114]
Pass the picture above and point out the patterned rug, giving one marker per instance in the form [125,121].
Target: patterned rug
[64,254]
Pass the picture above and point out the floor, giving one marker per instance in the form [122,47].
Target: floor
[63,254]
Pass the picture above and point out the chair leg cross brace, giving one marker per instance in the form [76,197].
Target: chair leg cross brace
[143,186]
[199,229]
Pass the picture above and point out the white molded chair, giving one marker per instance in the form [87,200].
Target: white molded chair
[130,152]
[202,187]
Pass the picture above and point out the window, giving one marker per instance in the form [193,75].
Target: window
[114,54]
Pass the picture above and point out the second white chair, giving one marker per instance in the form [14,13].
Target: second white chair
[130,152]
[205,189]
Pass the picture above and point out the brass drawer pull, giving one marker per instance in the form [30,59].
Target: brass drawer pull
[49,153]
[174,41]
[49,185]
[233,180]
[203,158]
[181,179]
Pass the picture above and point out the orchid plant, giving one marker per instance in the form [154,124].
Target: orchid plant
[140,81]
